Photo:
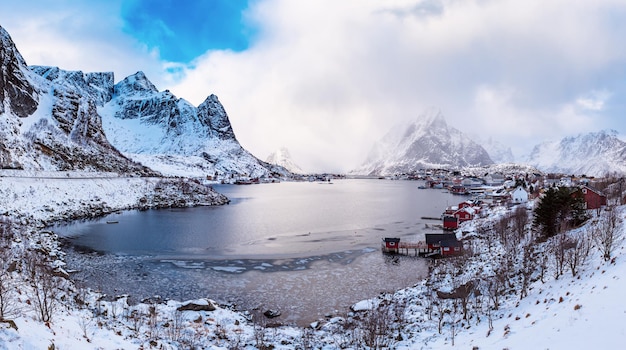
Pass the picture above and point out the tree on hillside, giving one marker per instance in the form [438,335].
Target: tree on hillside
[557,210]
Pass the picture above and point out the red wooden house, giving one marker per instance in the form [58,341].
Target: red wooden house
[450,222]
[594,199]
[445,243]
[391,244]
[465,214]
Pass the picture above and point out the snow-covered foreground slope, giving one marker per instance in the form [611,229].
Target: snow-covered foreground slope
[582,312]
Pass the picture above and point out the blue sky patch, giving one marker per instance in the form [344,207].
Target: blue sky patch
[184,30]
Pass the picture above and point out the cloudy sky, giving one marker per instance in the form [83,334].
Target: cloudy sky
[327,78]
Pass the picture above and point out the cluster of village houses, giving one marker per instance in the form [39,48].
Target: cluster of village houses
[490,190]
[496,189]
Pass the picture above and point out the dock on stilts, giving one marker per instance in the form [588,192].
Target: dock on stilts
[406,248]
[436,245]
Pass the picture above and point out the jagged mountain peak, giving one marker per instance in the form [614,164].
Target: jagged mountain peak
[9,50]
[98,85]
[211,113]
[282,157]
[431,116]
[135,83]
[67,111]
[426,142]
[172,136]
[15,89]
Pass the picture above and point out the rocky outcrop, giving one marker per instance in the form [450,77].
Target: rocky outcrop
[197,305]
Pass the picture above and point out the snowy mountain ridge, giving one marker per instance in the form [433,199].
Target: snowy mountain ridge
[594,154]
[427,142]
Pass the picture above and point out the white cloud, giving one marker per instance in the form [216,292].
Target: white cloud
[594,101]
[327,78]
[78,35]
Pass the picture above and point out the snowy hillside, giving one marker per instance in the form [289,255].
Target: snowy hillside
[500,168]
[427,142]
[593,154]
[282,157]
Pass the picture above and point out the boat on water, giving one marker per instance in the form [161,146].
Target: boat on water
[113,222]
[243,182]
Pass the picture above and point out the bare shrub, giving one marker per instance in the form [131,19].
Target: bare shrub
[45,287]
[527,269]
[85,322]
[175,325]
[558,245]
[520,221]
[578,254]
[606,233]
[8,304]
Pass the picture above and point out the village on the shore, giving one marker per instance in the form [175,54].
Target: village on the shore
[478,193]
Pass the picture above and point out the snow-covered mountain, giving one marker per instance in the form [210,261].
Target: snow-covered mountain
[172,136]
[594,154]
[49,121]
[427,142]
[282,157]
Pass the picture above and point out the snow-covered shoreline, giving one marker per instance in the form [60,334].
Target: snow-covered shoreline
[39,199]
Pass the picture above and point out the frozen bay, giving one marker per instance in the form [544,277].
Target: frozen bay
[306,249]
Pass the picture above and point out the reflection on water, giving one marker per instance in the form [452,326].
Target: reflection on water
[294,247]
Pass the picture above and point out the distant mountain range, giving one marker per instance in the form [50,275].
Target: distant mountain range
[51,119]
[282,157]
[429,142]
[594,154]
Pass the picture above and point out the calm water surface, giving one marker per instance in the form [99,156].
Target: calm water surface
[307,249]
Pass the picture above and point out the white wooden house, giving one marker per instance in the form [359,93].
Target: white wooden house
[519,195]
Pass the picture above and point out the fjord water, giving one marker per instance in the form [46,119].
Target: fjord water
[307,249]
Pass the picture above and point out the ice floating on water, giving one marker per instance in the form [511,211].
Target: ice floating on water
[232,269]
[185,264]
